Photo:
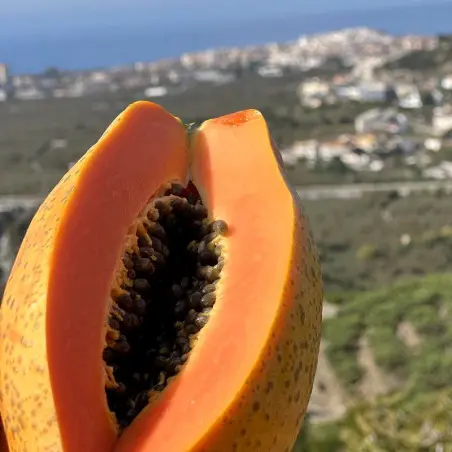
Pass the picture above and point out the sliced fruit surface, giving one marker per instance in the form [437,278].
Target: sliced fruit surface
[248,379]
[57,299]
[167,297]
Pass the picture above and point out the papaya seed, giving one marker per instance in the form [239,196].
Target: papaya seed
[208,300]
[156,230]
[209,288]
[144,265]
[201,320]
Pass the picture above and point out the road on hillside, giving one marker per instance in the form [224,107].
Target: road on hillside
[349,191]
[343,191]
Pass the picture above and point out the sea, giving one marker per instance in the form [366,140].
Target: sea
[110,45]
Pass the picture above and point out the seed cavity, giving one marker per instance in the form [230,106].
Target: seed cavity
[162,297]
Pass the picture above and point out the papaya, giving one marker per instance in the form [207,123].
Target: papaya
[167,296]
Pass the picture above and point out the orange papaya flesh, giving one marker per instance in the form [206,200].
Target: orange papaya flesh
[182,317]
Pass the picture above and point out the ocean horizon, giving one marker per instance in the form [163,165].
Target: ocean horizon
[116,45]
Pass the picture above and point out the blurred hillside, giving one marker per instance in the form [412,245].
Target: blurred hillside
[337,108]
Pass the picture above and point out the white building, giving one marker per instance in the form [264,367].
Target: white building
[213,76]
[442,120]
[156,91]
[369,91]
[433,144]
[270,71]
[4,76]
[440,172]
[408,95]
[313,88]
[446,82]
[386,120]
[29,93]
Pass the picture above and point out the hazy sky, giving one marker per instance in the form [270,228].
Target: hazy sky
[45,16]
[46,6]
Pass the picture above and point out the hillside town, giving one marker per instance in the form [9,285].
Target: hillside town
[360,48]
[409,114]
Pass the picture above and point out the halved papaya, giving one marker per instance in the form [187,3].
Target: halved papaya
[167,297]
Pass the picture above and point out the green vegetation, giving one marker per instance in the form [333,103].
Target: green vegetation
[394,424]
[318,438]
[387,266]
[390,423]
[414,414]
[426,304]
[379,238]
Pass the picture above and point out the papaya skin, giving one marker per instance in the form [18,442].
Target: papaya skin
[52,381]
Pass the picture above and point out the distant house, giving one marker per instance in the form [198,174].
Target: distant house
[408,95]
[328,150]
[270,71]
[58,143]
[213,76]
[306,149]
[156,91]
[364,92]
[313,92]
[313,87]
[300,150]
[76,89]
[173,76]
[312,151]
[288,158]
[442,120]
[99,77]
[4,74]
[446,82]
[28,93]
[347,92]
[440,172]
[412,101]
[387,120]
[373,91]
[366,141]
[355,160]
[433,144]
